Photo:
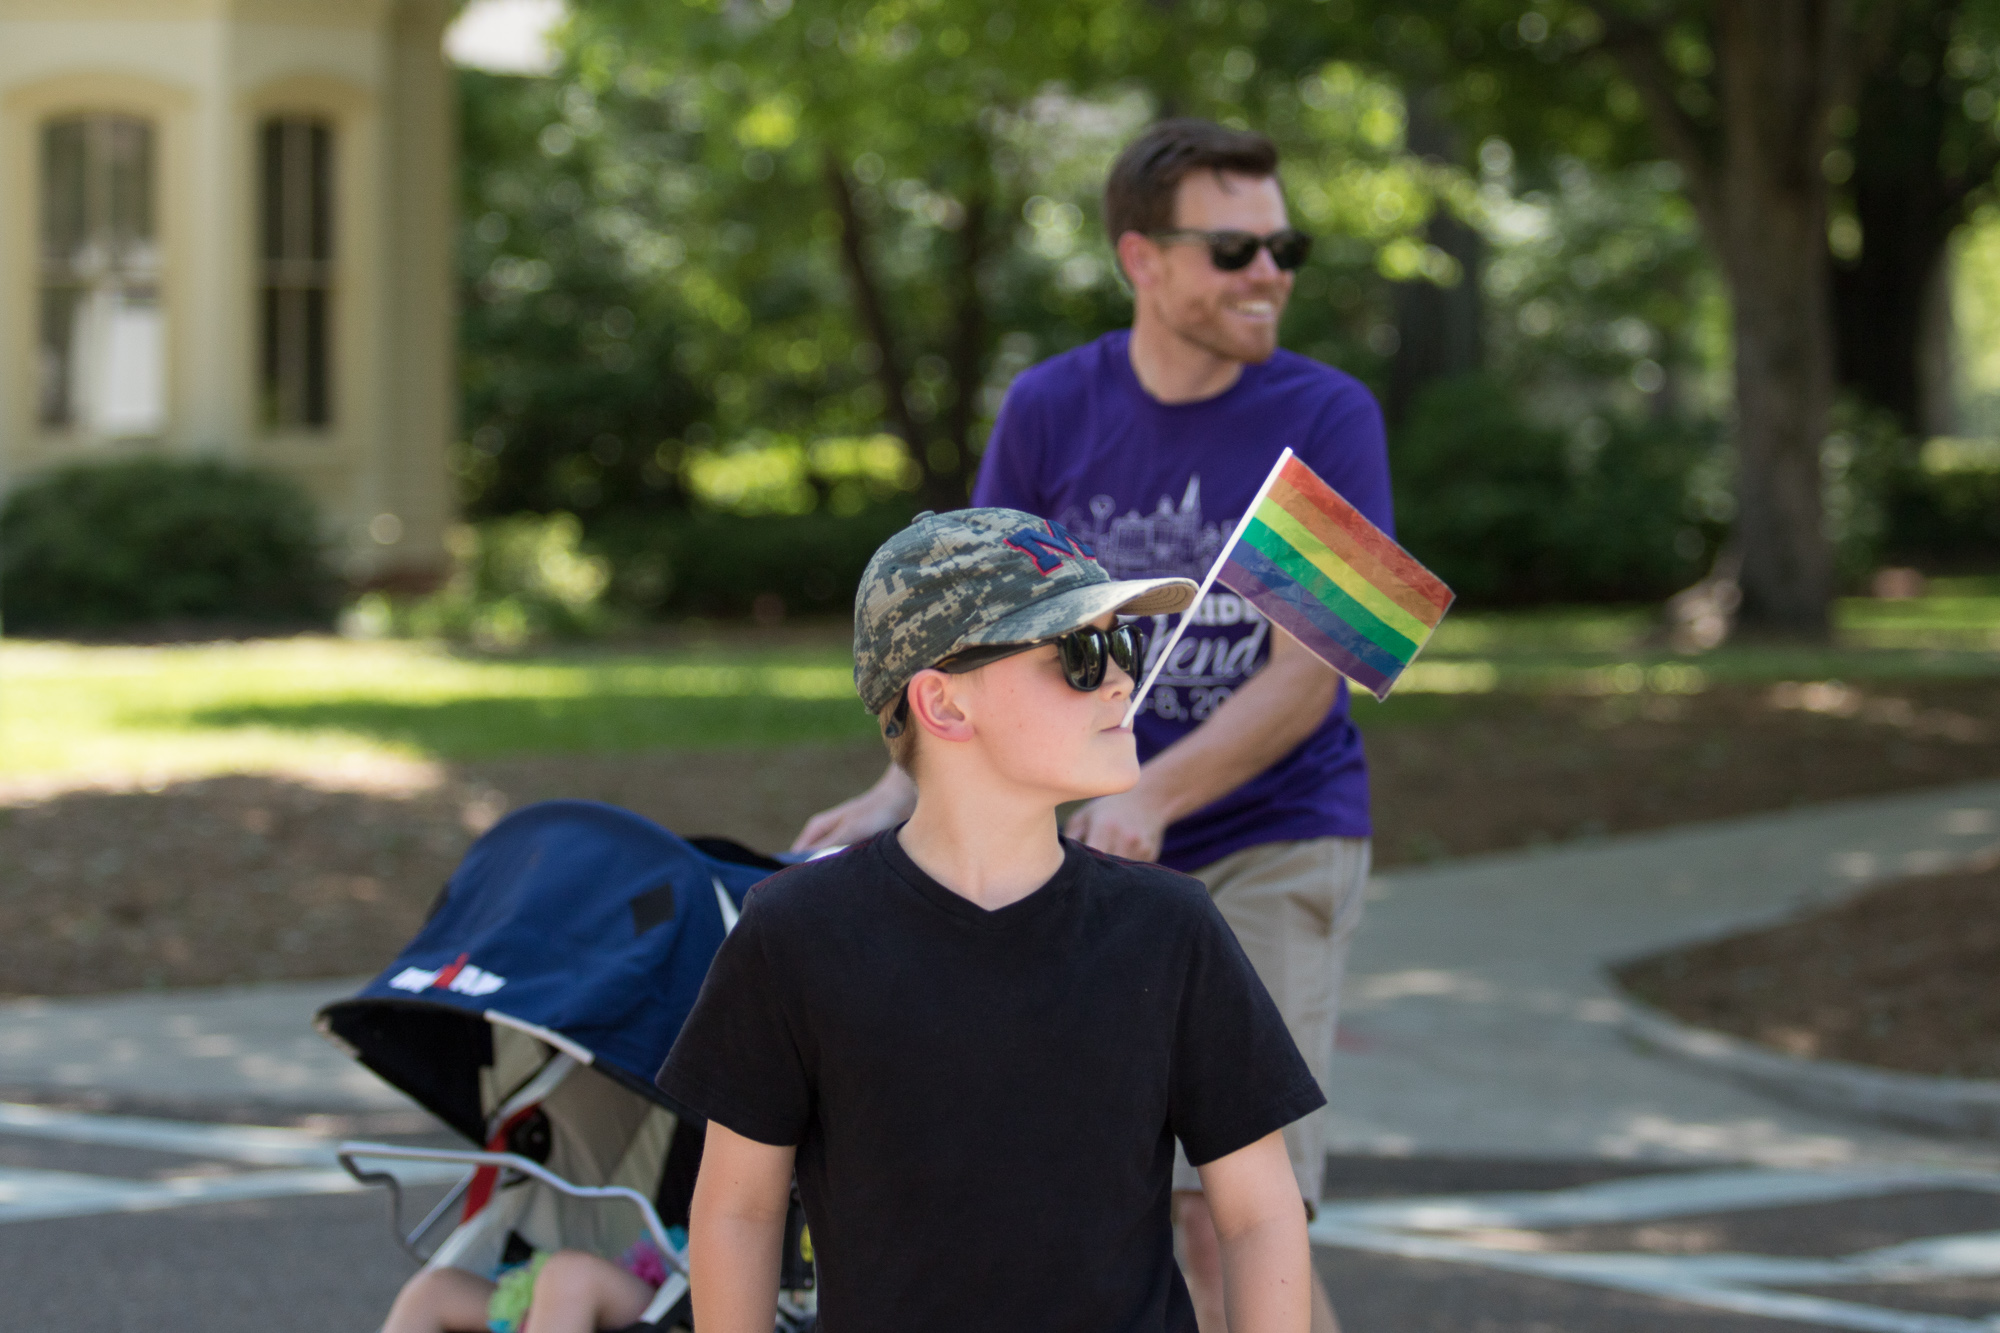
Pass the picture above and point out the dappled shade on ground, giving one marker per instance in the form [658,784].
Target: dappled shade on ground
[1822,1229]
[1495,771]
[250,878]
[1902,977]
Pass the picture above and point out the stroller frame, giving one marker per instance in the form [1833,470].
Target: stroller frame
[665,1299]
[638,912]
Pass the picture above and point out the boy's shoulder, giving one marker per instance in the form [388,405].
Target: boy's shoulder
[805,891]
[1145,885]
[841,895]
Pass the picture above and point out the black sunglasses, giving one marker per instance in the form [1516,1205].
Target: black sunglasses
[1232,250]
[1083,653]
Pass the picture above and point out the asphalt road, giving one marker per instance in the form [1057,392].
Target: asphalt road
[117,1224]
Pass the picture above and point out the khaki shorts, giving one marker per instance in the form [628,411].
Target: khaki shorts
[1294,907]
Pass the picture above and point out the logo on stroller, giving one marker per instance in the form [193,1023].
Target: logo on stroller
[461,976]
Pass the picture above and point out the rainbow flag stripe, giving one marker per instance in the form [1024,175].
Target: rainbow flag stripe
[1318,568]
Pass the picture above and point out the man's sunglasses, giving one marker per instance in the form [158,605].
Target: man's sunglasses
[1233,250]
[1083,653]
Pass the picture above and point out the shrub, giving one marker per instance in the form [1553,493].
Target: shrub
[144,540]
[1942,511]
[1509,511]
[513,580]
[731,565]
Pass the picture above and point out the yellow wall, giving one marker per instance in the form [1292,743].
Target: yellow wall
[206,72]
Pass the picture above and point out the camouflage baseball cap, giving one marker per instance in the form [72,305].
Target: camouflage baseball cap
[975,577]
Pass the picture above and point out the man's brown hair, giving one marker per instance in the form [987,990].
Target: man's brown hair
[1139,195]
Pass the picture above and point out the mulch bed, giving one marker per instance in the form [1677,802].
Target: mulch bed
[1522,771]
[249,878]
[1905,976]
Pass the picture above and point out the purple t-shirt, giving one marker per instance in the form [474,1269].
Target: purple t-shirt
[1156,489]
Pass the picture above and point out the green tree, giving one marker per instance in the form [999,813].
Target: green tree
[896,202]
[1757,105]
[573,334]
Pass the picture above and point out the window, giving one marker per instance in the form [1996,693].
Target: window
[296,156]
[102,354]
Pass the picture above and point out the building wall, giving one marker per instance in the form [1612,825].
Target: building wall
[206,73]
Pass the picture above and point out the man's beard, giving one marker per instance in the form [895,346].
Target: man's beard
[1214,337]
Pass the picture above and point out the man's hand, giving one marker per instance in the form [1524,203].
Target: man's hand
[1129,824]
[884,805]
[1268,715]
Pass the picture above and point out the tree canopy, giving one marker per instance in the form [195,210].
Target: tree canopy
[785,255]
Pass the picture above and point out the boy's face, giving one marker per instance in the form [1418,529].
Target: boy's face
[1041,733]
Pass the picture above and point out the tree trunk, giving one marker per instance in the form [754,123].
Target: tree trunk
[890,372]
[1881,299]
[1439,329]
[1762,200]
[942,454]
[1907,209]
[967,357]
[1937,355]
[1777,68]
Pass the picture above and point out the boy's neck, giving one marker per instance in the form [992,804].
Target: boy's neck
[987,849]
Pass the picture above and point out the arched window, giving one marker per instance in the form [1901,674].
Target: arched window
[296,167]
[102,343]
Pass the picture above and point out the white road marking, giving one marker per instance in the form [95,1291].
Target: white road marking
[1644,1198]
[259,1145]
[1664,1279]
[1415,1228]
[1738,1283]
[29,1195]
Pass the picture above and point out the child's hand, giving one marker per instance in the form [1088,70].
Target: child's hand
[1128,825]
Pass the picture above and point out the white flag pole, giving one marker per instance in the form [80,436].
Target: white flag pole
[1187,616]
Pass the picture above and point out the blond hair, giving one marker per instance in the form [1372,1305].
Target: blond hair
[902,745]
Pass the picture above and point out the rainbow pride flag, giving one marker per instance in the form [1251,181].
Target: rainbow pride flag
[1337,583]
[1316,567]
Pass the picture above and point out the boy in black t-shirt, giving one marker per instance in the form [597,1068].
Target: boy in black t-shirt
[977,1042]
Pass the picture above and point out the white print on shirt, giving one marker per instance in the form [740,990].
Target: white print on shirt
[1173,542]
[1168,543]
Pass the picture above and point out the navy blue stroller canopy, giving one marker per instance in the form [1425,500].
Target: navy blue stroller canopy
[582,925]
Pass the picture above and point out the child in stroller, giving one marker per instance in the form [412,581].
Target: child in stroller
[570,1291]
[530,1014]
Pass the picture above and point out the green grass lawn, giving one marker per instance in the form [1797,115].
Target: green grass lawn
[297,704]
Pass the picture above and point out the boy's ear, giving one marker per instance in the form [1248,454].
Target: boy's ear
[934,705]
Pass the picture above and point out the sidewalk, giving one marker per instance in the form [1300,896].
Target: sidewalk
[1477,1022]
[244,1047]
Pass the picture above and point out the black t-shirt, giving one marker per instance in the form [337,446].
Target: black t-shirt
[985,1103]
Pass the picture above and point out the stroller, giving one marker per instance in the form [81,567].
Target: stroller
[530,1014]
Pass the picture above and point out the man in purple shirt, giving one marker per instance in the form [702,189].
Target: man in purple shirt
[1148,445]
